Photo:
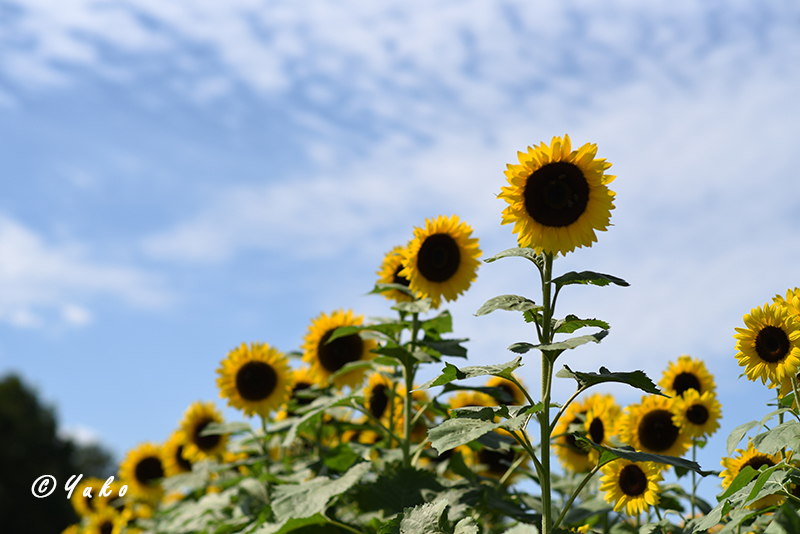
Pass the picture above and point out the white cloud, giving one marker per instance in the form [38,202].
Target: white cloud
[80,434]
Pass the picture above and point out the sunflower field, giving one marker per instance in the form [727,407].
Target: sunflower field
[343,437]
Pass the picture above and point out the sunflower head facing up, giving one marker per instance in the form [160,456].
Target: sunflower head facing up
[389,273]
[649,427]
[510,388]
[142,470]
[557,197]
[255,379]
[698,415]
[197,417]
[769,348]
[632,486]
[755,459]
[441,260]
[326,358]
[174,460]
[687,373]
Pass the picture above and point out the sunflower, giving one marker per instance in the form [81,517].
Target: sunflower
[255,379]
[103,522]
[687,373]
[197,417]
[698,415]
[791,301]
[327,358]
[462,399]
[631,485]
[86,505]
[755,459]
[600,423]
[441,260]
[572,456]
[174,460]
[141,470]
[557,197]
[379,397]
[648,427]
[301,394]
[389,273]
[72,529]
[510,388]
[770,345]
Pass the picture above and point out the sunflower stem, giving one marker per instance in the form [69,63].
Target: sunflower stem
[409,368]
[547,371]
[510,471]
[694,475]
[796,402]
[575,493]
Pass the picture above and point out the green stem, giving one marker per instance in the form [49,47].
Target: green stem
[574,495]
[564,407]
[341,525]
[389,434]
[544,419]
[409,369]
[511,469]
[694,475]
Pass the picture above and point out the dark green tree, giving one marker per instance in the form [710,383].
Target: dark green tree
[29,448]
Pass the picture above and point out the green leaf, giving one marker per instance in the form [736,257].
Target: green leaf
[314,409]
[290,525]
[293,501]
[762,479]
[607,454]
[394,492]
[588,277]
[742,479]
[350,367]
[428,518]
[570,343]
[571,323]
[397,352]
[454,432]
[381,288]
[710,519]
[446,347]
[527,253]
[522,528]
[436,326]
[508,303]
[388,329]
[786,520]
[451,372]
[466,526]
[784,435]
[737,434]
[637,379]
[418,306]
[341,457]
[213,429]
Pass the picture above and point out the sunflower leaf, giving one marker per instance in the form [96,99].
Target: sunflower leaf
[570,323]
[460,431]
[559,346]
[446,347]
[608,454]
[588,278]
[312,410]
[213,429]
[436,326]
[786,521]
[508,303]
[427,518]
[701,524]
[786,435]
[381,288]
[738,433]
[637,379]
[527,253]
[451,372]
[388,329]
[418,306]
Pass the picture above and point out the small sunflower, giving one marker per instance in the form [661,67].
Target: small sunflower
[648,427]
[769,348]
[379,398]
[441,260]
[698,415]
[301,394]
[601,421]
[510,388]
[255,379]
[174,460]
[572,456]
[557,197]
[327,358]
[389,273]
[790,302]
[755,459]
[103,522]
[687,373]
[633,486]
[142,470]
[197,417]
[85,505]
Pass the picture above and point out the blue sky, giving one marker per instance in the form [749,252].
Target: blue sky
[179,178]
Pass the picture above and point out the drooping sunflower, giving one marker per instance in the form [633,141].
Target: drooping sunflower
[255,379]
[755,459]
[557,197]
[103,522]
[769,348]
[142,470]
[389,273]
[441,260]
[648,427]
[197,417]
[573,456]
[633,486]
[698,415]
[326,358]
[686,373]
[510,388]
[174,460]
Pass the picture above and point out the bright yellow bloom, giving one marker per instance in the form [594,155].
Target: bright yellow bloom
[197,417]
[698,415]
[255,379]
[769,348]
[593,417]
[687,373]
[648,427]
[174,460]
[389,273]
[632,486]
[141,471]
[755,459]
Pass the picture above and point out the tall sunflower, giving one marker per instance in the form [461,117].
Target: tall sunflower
[698,415]
[197,417]
[557,197]
[389,273]
[174,460]
[755,459]
[631,485]
[255,379]
[769,348]
[648,427]
[572,456]
[327,358]
[441,260]
[687,373]
[142,470]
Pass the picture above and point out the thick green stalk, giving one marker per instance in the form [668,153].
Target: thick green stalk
[409,369]
[544,419]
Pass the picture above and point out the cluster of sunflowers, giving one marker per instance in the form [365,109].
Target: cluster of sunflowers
[348,441]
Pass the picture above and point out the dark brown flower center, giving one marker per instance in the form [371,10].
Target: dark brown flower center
[572,443]
[657,432]
[686,381]
[343,350]
[148,470]
[596,430]
[556,194]
[107,527]
[301,386]
[205,443]
[772,344]
[438,258]
[402,280]
[498,462]
[182,462]
[378,400]
[632,480]
[757,462]
[256,380]
[697,414]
